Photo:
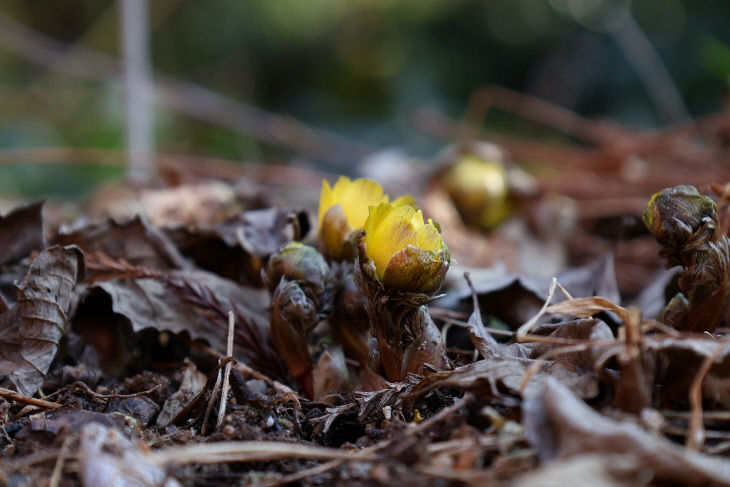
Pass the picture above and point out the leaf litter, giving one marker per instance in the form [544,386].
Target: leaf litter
[116,362]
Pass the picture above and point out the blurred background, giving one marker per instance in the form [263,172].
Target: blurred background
[321,83]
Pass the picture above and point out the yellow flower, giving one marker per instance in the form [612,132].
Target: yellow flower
[343,210]
[408,254]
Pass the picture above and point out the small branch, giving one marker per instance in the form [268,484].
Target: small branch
[696,435]
[227,372]
[16,396]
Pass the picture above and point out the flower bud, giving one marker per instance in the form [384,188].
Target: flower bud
[682,220]
[408,255]
[300,263]
[343,210]
[479,190]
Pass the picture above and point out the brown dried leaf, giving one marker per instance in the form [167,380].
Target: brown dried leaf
[515,299]
[136,241]
[196,302]
[236,249]
[495,375]
[30,330]
[21,231]
[560,426]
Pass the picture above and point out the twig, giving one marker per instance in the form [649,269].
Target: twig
[58,468]
[211,400]
[16,396]
[227,372]
[247,371]
[696,436]
[252,451]
[96,395]
[522,331]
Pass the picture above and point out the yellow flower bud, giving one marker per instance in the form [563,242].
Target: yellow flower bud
[343,210]
[479,190]
[408,254]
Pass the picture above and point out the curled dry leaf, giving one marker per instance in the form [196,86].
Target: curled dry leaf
[560,426]
[31,329]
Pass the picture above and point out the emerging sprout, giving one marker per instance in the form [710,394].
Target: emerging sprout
[301,285]
[685,224]
[343,210]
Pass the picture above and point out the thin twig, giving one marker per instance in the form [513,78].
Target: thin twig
[696,436]
[17,396]
[211,400]
[227,371]
[523,330]
[60,461]
[252,451]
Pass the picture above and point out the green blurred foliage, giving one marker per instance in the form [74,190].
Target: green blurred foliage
[357,67]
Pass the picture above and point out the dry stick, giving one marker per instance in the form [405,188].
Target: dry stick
[696,436]
[248,371]
[523,330]
[58,468]
[16,396]
[213,396]
[423,425]
[251,451]
[227,372]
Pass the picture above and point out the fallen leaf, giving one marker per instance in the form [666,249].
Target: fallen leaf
[137,241]
[561,426]
[21,231]
[30,331]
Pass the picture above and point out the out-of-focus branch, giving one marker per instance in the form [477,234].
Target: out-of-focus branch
[184,97]
[138,90]
[651,70]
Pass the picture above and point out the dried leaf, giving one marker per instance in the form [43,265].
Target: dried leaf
[21,231]
[192,383]
[30,330]
[590,469]
[136,241]
[515,299]
[236,249]
[195,302]
[560,426]
[495,375]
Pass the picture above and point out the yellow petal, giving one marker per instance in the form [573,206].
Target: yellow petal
[326,201]
[404,200]
[356,197]
[389,230]
[429,238]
